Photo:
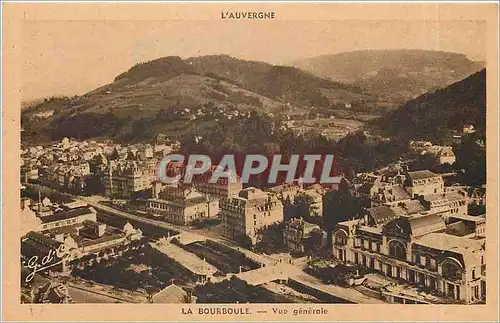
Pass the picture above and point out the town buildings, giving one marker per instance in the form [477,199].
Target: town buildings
[444,154]
[73,228]
[250,211]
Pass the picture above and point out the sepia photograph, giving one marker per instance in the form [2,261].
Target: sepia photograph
[245,161]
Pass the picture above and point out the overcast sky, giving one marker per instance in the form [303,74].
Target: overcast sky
[67,58]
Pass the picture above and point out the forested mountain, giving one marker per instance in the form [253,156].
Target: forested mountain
[395,76]
[438,115]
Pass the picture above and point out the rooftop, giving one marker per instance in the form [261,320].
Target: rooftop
[448,242]
[424,224]
[62,215]
[476,219]
[170,294]
[382,214]
[422,174]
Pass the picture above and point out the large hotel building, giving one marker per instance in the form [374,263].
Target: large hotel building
[248,212]
[435,247]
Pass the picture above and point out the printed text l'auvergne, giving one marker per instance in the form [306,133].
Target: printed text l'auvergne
[248,15]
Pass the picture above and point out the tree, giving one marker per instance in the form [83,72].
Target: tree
[93,185]
[270,239]
[96,163]
[339,206]
[424,162]
[470,162]
[288,209]
[244,241]
[314,242]
[304,207]
[475,209]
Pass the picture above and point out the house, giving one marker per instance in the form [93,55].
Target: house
[297,232]
[468,129]
[424,182]
[177,204]
[127,179]
[446,156]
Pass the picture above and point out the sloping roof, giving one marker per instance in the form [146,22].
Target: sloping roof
[395,193]
[469,218]
[446,152]
[297,223]
[170,294]
[422,174]
[459,229]
[382,214]
[284,188]
[413,206]
[40,238]
[448,242]
[421,225]
[62,215]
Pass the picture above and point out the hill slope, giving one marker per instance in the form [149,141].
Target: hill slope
[171,94]
[393,75]
[435,116]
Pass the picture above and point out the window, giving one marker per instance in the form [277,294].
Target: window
[451,270]
[433,264]
[473,274]
[397,250]
[340,238]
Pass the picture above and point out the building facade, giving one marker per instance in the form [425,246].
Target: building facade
[126,179]
[296,232]
[424,182]
[179,205]
[250,211]
[417,251]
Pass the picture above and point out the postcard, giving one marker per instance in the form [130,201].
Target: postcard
[258,161]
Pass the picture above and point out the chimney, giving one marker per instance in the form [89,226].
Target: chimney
[100,229]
